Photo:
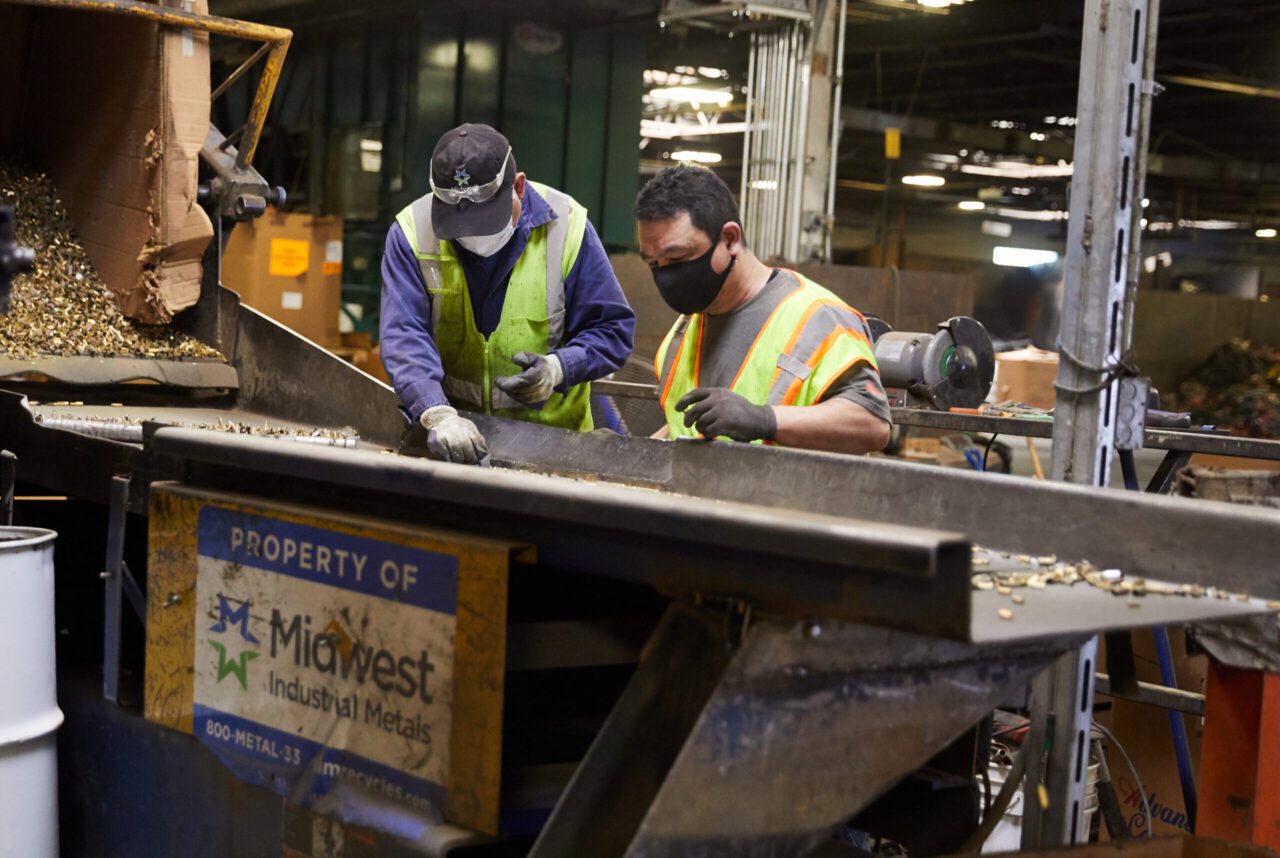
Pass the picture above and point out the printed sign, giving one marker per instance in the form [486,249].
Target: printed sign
[332,258]
[342,661]
[320,654]
[289,257]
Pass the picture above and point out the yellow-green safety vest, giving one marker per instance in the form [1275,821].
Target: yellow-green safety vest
[532,315]
[798,354]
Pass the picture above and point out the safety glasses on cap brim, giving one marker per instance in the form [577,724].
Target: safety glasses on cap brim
[478,194]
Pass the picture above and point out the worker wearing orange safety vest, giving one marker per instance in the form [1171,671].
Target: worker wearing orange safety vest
[757,354]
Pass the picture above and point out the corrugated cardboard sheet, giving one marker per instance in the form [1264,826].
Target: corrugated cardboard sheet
[115,110]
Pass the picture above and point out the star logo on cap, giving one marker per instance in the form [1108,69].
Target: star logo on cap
[461,178]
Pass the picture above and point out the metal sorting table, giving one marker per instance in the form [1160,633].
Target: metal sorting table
[726,522]
[865,649]
[722,739]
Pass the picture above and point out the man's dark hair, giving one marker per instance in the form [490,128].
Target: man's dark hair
[692,189]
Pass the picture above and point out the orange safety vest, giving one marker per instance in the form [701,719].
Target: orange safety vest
[800,352]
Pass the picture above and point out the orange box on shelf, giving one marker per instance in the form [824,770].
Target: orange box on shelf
[289,266]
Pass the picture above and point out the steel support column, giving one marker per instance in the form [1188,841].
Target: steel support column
[1116,65]
[1061,717]
[1117,62]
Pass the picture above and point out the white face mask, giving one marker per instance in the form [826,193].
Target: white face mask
[488,245]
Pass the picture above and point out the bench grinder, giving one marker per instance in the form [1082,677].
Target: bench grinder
[949,368]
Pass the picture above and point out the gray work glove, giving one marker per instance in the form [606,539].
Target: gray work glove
[451,438]
[535,385]
[719,412]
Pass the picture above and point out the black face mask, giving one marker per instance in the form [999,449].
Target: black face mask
[691,286]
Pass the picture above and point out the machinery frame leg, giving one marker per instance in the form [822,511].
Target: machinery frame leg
[617,780]
[811,723]
[113,588]
[1062,712]
[1240,757]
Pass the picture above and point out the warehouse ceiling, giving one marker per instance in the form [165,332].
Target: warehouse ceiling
[1010,67]
[984,90]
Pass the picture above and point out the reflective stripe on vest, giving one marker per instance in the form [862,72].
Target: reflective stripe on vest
[427,249]
[798,354]
[470,360]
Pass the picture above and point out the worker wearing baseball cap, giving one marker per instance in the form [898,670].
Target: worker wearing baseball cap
[497,297]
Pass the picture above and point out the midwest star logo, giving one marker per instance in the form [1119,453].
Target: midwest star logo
[236,616]
[237,666]
[234,667]
[461,178]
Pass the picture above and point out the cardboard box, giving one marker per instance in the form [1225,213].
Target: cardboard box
[115,110]
[1026,376]
[1162,847]
[289,266]
[1144,731]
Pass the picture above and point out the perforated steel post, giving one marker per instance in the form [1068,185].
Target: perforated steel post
[1116,65]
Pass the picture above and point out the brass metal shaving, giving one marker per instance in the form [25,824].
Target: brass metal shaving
[1021,573]
[106,426]
[63,307]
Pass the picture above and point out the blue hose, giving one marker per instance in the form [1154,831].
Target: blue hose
[1129,469]
[1164,654]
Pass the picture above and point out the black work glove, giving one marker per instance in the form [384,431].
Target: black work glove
[719,412]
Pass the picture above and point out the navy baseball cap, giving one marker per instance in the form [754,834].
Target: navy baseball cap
[472,173]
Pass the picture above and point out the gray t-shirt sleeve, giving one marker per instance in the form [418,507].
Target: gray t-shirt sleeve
[860,384]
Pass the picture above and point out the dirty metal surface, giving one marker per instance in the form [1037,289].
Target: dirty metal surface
[797,564]
[802,562]
[195,417]
[810,723]
[287,377]
[88,371]
[1050,597]
[1196,542]
[614,785]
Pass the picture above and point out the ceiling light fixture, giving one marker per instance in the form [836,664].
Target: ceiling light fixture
[696,156]
[971,205]
[1022,257]
[923,181]
[1265,233]
[1018,170]
[1211,223]
[1032,214]
[691,95]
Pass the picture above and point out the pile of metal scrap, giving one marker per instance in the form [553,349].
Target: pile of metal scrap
[1237,388]
[62,307]
[1007,574]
